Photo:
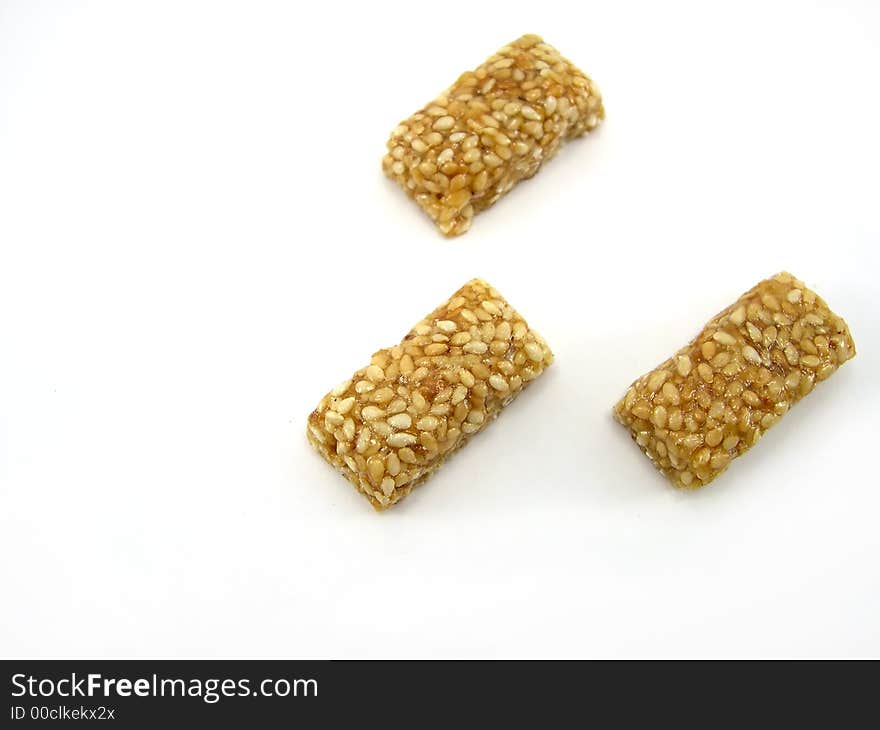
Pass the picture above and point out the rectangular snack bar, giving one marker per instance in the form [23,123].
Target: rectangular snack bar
[713,399]
[394,422]
[492,128]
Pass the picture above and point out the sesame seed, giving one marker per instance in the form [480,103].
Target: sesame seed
[341,388]
[401,439]
[376,468]
[476,347]
[683,365]
[534,351]
[400,420]
[443,124]
[658,377]
[658,416]
[375,374]
[723,338]
[371,413]
[751,355]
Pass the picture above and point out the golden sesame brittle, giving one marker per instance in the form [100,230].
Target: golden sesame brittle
[713,399]
[494,127]
[394,422]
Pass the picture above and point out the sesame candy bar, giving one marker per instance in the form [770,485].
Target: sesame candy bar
[713,399]
[391,425]
[489,130]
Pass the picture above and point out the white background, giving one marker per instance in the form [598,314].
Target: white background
[196,243]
